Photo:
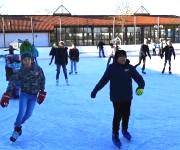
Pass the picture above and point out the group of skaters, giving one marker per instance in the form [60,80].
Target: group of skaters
[165,50]
[119,73]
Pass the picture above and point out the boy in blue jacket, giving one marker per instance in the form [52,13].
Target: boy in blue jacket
[120,74]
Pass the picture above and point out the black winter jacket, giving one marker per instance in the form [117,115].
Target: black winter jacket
[169,51]
[74,54]
[120,77]
[61,55]
[144,51]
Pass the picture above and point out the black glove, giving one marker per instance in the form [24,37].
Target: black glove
[93,94]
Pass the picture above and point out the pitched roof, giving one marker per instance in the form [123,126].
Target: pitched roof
[61,10]
[141,11]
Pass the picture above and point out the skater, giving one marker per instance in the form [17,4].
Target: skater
[153,47]
[52,51]
[169,51]
[101,48]
[113,51]
[74,57]
[32,83]
[13,63]
[120,74]
[61,59]
[144,51]
[36,53]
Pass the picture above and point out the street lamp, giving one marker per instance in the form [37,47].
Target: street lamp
[158,26]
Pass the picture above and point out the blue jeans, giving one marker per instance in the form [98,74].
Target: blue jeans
[26,107]
[73,64]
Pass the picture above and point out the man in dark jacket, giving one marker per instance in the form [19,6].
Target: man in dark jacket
[74,57]
[61,59]
[101,48]
[120,74]
[169,51]
[144,51]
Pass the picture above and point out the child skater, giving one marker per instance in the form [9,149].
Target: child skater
[32,84]
[120,74]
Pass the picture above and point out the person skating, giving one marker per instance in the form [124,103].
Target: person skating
[74,58]
[120,74]
[101,48]
[113,50]
[32,84]
[144,51]
[169,51]
[61,59]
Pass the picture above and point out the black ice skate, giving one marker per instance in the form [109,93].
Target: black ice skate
[143,72]
[16,133]
[127,135]
[116,140]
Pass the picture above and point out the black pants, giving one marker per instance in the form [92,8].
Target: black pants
[101,50]
[141,58]
[121,111]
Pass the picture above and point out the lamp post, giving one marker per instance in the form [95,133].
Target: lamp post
[60,28]
[135,30]
[3,25]
[32,29]
[158,27]
[113,28]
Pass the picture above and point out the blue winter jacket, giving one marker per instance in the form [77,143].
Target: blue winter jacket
[120,77]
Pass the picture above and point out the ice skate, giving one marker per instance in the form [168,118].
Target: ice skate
[16,133]
[127,135]
[57,82]
[116,140]
[67,83]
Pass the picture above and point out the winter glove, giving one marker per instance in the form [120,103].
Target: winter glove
[161,55]
[41,96]
[93,94]
[139,91]
[5,99]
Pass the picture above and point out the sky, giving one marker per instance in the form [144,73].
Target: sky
[85,7]
[70,120]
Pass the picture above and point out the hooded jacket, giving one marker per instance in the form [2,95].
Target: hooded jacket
[120,77]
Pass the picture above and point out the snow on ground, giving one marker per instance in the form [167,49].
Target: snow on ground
[70,120]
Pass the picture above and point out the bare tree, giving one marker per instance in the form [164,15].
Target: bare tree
[123,10]
[2,3]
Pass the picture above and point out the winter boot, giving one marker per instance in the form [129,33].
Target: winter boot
[70,73]
[116,140]
[127,135]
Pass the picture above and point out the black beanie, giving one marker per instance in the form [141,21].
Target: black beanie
[120,53]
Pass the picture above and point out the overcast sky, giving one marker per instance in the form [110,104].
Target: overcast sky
[88,7]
